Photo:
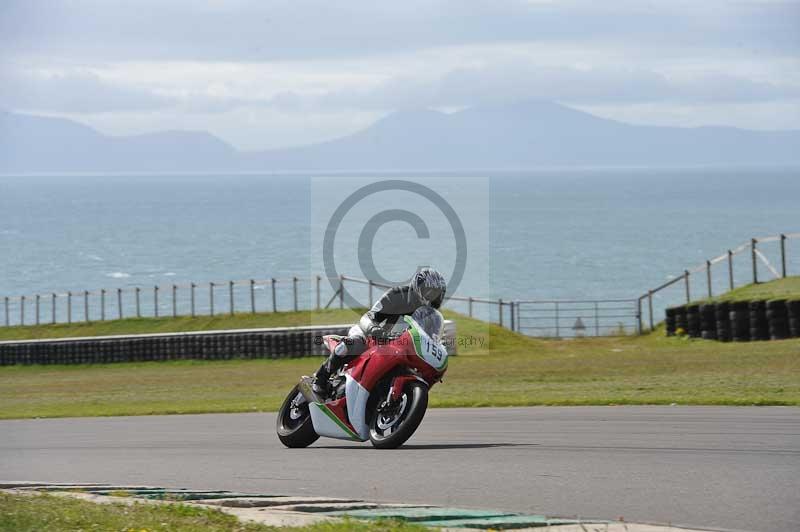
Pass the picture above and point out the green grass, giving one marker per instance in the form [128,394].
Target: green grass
[49,513]
[788,288]
[508,370]
[179,324]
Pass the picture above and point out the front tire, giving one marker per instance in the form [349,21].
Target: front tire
[293,425]
[391,428]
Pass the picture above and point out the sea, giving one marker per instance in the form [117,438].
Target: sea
[536,235]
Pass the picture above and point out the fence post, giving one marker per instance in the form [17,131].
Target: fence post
[52,309]
[341,291]
[650,307]
[86,306]
[5,304]
[783,255]
[37,309]
[470,306]
[69,307]
[511,307]
[211,297]
[708,277]
[119,302]
[369,282]
[638,315]
[686,283]
[319,278]
[753,257]
[138,302]
[192,287]
[596,319]
[500,310]
[22,310]
[730,269]
[252,296]
[558,331]
[174,301]
[294,292]
[274,299]
[155,301]
[102,304]
[230,297]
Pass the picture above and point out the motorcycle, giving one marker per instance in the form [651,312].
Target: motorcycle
[380,396]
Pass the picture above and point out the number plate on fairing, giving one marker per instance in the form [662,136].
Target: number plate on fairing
[428,349]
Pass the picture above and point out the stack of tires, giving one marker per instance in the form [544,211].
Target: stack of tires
[738,321]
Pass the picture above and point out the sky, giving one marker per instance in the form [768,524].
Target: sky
[269,74]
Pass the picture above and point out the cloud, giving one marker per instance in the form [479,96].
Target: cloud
[261,30]
[74,91]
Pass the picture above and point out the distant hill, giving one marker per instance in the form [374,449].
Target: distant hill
[520,136]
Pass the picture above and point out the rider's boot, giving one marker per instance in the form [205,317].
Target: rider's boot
[332,364]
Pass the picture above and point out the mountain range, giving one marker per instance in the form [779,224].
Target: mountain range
[510,137]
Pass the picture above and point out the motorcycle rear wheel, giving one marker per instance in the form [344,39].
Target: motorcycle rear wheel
[293,425]
[390,431]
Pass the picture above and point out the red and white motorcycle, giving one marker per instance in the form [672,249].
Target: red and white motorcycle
[381,395]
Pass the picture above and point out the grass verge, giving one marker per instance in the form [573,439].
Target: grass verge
[507,369]
[48,513]
[788,288]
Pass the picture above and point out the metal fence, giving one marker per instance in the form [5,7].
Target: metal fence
[547,318]
[746,263]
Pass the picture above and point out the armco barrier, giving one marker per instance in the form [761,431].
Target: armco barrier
[739,321]
[285,342]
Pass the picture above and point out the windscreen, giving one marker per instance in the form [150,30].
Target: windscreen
[430,320]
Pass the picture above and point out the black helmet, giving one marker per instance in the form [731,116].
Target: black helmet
[429,285]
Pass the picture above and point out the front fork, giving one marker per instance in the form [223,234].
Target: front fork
[398,384]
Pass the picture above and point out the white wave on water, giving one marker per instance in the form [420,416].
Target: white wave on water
[170,274]
[118,275]
[96,257]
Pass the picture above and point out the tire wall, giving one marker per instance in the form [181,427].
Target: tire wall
[739,321]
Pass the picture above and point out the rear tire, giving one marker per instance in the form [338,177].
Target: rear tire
[415,395]
[293,425]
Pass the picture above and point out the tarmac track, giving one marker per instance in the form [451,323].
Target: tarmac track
[718,467]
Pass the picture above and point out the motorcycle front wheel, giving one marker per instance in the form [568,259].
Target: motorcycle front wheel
[294,425]
[392,425]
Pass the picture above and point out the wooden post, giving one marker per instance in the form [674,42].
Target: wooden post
[294,292]
[753,257]
[174,301]
[211,297]
[252,296]
[22,310]
[558,331]
[686,285]
[52,308]
[500,310]
[102,304]
[138,302]
[319,278]
[155,301]
[274,299]
[69,307]
[639,315]
[5,304]
[232,304]
[119,302]
[192,287]
[86,306]
[708,277]
[650,307]
[369,282]
[596,319]
[730,270]
[37,309]
[341,291]
[470,306]
[783,255]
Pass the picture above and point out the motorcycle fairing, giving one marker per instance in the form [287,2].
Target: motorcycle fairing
[429,350]
[357,397]
[327,423]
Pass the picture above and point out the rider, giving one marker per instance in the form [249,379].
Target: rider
[427,287]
